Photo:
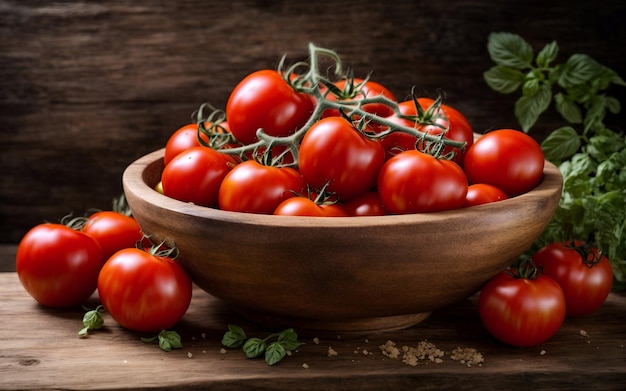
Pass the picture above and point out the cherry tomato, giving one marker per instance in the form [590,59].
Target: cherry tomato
[144,292]
[414,182]
[482,193]
[255,188]
[368,89]
[195,175]
[302,206]
[265,100]
[114,231]
[508,159]
[57,265]
[522,311]
[367,204]
[333,152]
[182,139]
[585,275]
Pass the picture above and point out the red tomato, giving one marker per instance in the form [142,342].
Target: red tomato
[114,231]
[333,152]
[182,139]
[482,193]
[368,89]
[254,188]
[144,292]
[522,311]
[195,175]
[458,127]
[414,182]
[265,100]
[508,159]
[585,275]
[302,206]
[367,204]
[57,265]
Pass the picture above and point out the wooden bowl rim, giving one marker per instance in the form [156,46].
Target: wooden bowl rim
[134,181]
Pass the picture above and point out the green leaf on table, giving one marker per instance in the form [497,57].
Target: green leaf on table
[274,353]
[254,347]
[234,337]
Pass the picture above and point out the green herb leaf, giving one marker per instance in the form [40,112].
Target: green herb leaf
[254,347]
[547,54]
[289,339]
[578,69]
[510,50]
[503,79]
[561,144]
[168,340]
[568,109]
[528,108]
[275,352]
[92,320]
[234,337]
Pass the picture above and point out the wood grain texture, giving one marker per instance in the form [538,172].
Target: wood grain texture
[87,87]
[40,349]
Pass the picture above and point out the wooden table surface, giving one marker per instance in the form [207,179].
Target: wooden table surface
[40,349]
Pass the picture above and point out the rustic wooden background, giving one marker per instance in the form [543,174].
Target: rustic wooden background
[89,86]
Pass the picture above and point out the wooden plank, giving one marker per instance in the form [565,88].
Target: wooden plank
[87,87]
[40,349]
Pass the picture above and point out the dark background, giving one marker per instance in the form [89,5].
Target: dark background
[89,86]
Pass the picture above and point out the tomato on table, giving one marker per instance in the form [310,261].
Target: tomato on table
[520,308]
[508,159]
[58,266]
[143,291]
[415,182]
[265,100]
[584,274]
[113,230]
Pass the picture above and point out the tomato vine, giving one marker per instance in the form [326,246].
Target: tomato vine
[306,77]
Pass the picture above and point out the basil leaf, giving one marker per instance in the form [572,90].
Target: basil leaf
[578,69]
[561,144]
[568,109]
[547,54]
[234,337]
[529,107]
[274,353]
[510,50]
[254,347]
[503,79]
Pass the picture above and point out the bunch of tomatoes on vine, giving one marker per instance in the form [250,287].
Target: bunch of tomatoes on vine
[296,142]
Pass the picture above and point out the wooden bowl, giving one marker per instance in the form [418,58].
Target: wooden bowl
[341,274]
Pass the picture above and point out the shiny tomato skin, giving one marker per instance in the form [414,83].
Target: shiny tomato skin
[482,193]
[113,231]
[521,311]
[585,287]
[302,206]
[255,188]
[508,159]
[57,265]
[370,89]
[334,152]
[182,139]
[265,100]
[195,175]
[415,182]
[366,204]
[143,292]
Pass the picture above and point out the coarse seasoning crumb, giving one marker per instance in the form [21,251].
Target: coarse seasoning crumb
[305,366]
[316,341]
[223,351]
[390,350]
[542,352]
[468,356]
[412,355]
[331,352]
[189,354]
[583,333]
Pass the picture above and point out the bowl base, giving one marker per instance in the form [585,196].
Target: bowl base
[330,327]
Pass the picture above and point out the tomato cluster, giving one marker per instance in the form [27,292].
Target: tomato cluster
[62,265]
[292,142]
[524,308]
